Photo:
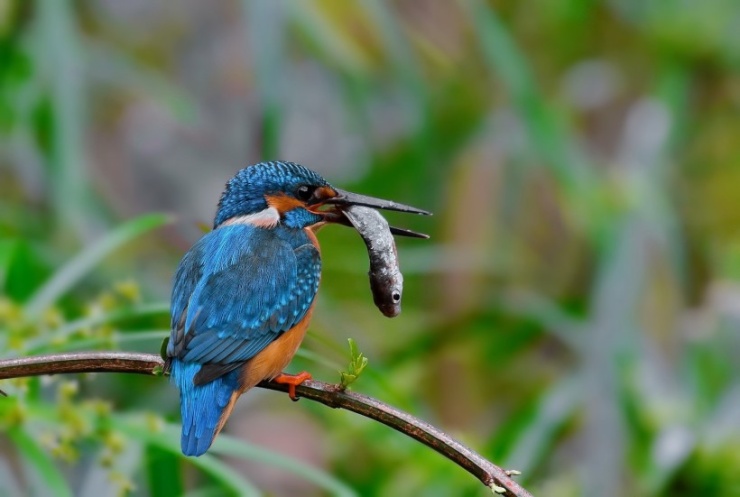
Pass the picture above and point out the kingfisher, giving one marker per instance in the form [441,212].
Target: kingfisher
[243,295]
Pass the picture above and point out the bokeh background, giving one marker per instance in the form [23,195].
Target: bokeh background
[575,315]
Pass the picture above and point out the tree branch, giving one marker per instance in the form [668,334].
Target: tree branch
[330,395]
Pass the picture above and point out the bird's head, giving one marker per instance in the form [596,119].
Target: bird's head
[269,193]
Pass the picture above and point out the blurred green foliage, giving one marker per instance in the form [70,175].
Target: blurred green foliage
[575,315]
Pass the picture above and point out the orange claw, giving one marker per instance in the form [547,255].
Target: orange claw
[292,380]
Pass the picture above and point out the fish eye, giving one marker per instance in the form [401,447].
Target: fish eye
[304,192]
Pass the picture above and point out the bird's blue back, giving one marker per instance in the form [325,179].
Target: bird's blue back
[236,291]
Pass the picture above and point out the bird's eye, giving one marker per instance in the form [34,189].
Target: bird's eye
[304,192]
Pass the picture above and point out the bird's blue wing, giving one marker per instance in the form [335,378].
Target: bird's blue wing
[238,289]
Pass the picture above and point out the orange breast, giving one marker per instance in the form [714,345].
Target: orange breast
[311,232]
[269,363]
[272,360]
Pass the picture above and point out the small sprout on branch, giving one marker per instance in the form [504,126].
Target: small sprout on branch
[159,369]
[357,364]
[496,489]
[163,348]
[513,472]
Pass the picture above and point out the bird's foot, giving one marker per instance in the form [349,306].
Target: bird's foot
[292,380]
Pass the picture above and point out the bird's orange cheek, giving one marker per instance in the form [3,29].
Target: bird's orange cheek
[283,203]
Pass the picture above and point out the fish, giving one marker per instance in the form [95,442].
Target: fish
[386,280]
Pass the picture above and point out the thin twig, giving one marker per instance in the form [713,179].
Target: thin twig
[330,395]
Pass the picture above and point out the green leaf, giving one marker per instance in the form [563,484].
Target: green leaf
[164,472]
[551,138]
[24,269]
[66,277]
[229,446]
[7,251]
[41,344]
[225,475]
[169,436]
[50,481]
[168,439]
[541,426]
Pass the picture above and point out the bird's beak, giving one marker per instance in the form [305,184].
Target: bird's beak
[345,199]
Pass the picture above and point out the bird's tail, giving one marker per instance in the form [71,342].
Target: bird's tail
[204,408]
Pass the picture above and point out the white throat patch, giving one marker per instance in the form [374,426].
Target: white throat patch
[267,218]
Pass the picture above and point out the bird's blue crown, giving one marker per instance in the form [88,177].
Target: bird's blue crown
[245,192]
